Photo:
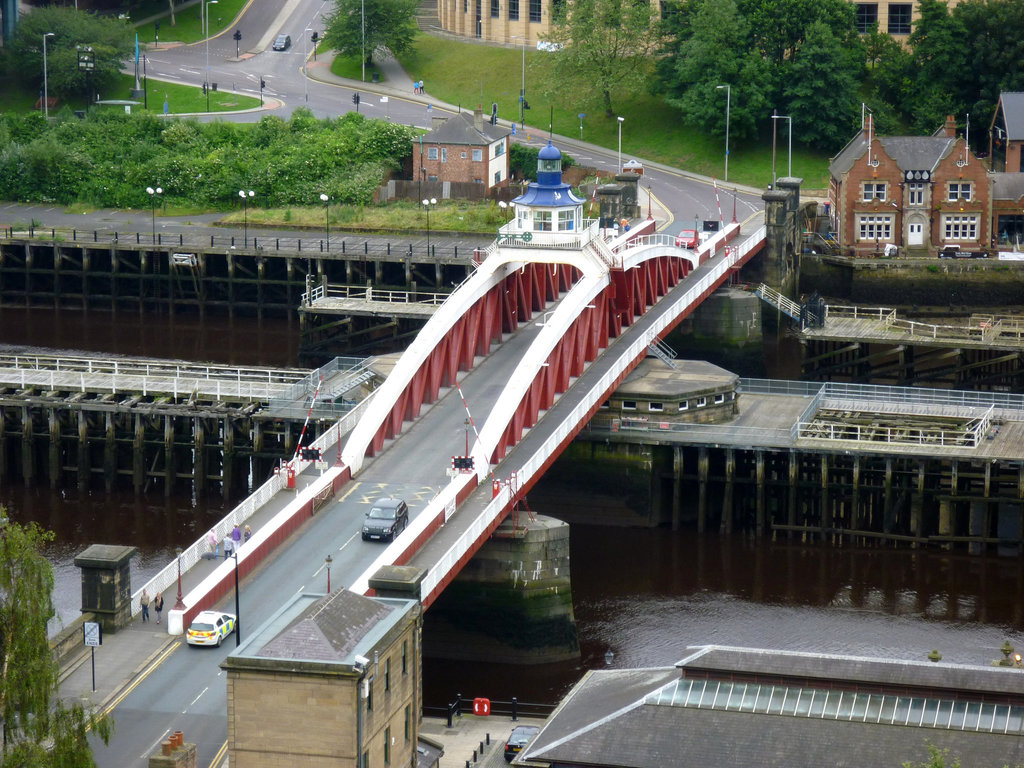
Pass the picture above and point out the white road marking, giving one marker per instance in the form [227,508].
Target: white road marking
[197,698]
[152,747]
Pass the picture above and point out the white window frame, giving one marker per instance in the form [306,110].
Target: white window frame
[719,398]
[432,153]
[497,177]
[872,190]
[478,155]
[566,220]
[542,221]
[463,156]
[960,190]
[629,405]
[915,193]
[444,154]
[656,407]
[874,226]
[960,227]
[701,402]
[684,405]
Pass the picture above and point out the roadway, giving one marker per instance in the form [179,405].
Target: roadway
[186,690]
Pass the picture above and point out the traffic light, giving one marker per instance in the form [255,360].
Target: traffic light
[263,83]
[526,104]
[355,100]
[204,89]
[238,35]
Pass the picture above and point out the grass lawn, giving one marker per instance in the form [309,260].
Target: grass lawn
[472,75]
[352,68]
[399,216]
[181,99]
[188,26]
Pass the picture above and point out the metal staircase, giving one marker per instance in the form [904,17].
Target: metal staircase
[782,303]
[663,352]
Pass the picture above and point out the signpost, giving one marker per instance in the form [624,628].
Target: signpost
[92,633]
[581,115]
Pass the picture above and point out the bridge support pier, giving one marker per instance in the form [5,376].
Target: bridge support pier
[54,447]
[27,452]
[511,603]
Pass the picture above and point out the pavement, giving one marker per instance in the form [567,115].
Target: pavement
[477,742]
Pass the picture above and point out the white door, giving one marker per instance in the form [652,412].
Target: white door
[915,234]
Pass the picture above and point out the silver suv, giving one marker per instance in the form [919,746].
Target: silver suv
[387,518]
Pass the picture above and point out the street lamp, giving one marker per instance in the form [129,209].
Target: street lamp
[208,4]
[790,136]
[245,215]
[427,203]
[327,218]
[362,31]
[329,560]
[152,203]
[238,613]
[619,169]
[180,604]
[305,55]
[522,90]
[728,104]
[46,88]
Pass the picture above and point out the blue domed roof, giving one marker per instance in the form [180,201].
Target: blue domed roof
[549,152]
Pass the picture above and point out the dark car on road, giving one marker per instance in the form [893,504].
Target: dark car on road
[387,518]
[518,739]
[282,42]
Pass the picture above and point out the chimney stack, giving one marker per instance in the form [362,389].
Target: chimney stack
[950,127]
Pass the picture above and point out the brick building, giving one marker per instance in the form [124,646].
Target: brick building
[920,193]
[327,679]
[1006,133]
[463,148]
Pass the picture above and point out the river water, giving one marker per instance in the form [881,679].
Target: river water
[644,595]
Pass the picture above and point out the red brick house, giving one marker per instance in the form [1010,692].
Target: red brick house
[1006,133]
[920,193]
[463,148]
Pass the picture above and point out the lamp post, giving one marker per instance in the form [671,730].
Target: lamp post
[238,613]
[152,204]
[305,55]
[362,32]
[329,560]
[728,104]
[245,215]
[522,90]
[427,203]
[46,87]
[619,169]
[327,218]
[180,604]
[789,156]
[208,4]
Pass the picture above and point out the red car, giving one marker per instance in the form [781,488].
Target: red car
[687,238]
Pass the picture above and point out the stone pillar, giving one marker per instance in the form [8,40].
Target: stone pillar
[512,602]
[107,584]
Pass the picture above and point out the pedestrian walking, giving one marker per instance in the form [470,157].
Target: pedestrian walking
[421,91]
[248,533]
[236,537]
[229,546]
[144,602]
[415,86]
[158,605]
[211,539]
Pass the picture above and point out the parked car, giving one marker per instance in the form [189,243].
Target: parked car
[687,238]
[282,42]
[518,739]
[387,518]
[210,628]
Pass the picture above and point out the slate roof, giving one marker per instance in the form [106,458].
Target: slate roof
[324,629]
[1013,114]
[604,722]
[461,130]
[1007,186]
[911,153]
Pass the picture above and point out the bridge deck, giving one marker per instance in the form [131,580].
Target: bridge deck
[973,336]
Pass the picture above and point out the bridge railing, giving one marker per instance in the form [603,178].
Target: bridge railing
[167,577]
[779,387]
[369,293]
[754,436]
[570,424]
[881,314]
[147,385]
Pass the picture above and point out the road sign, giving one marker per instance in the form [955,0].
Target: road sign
[93,633]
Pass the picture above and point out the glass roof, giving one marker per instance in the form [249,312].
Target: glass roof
[801,701]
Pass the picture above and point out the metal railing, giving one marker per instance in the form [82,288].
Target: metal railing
[254,244]
[777,300]
[717,271]
[191,555]
[369,293]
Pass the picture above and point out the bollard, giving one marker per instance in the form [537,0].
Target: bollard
[321,246]
[410,250]
[389,247]
[456,251]
[232,241]
[366,247]
[159,238]
[300,243]
[255,245]
[181,239]
[53,233]
[342,246]
[474,756]
[95,236]
[277,245]
[211,241]
[515,709]
[467,764]
[488,739]
[31,231]
[115,237]
[481,747]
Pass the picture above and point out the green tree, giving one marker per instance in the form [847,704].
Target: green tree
[994,39]
[936,759]
[389,24]
[939,59]
[780,27]
[604,46]
[717,53]
[821,89]
[39,730]
[111,41]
